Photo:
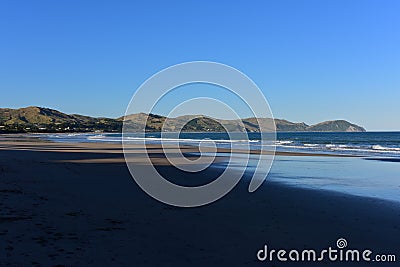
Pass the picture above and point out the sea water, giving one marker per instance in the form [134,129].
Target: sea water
[375,173]
[384,144]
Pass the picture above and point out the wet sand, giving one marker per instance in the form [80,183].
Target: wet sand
[77,205]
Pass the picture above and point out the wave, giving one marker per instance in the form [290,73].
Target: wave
[379,147]
[311,145]
[189,140]
[318,144]
[95,137]
[285,142]
[354,149]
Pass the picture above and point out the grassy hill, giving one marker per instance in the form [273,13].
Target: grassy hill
[201,123]
[38,119]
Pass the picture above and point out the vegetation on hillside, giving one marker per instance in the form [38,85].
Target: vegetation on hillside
[45,120]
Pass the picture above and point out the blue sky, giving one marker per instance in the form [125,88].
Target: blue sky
[314,60]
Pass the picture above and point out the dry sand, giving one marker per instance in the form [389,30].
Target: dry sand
[77,205]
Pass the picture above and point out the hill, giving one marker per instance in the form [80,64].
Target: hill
[202,123]
[335,126]
[38,119]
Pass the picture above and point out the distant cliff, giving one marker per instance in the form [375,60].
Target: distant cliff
[335,126]
[38,119]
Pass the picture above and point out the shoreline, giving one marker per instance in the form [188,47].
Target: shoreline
[58,209]
[38,141]
[376,152]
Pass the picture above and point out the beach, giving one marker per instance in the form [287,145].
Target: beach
[75,204]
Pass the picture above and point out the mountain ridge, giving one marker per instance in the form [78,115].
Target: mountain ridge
[40,119]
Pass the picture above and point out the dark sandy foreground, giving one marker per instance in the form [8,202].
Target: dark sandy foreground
[77,205]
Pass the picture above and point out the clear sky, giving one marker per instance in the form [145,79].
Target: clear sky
[314,60]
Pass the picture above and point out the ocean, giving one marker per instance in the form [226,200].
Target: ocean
[375,174]
[377,144]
